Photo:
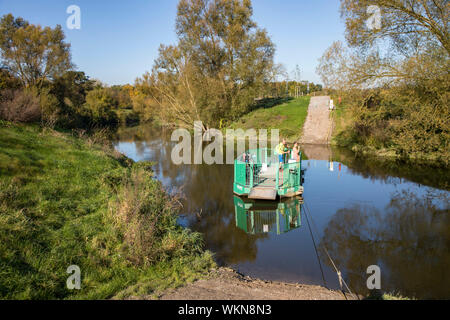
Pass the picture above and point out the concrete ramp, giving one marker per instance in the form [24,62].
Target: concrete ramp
[263,194]
[318,125]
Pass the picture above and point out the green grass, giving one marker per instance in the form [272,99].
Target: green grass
[60,199]
[378,295]
[394,297]
[288,117]
[341,120]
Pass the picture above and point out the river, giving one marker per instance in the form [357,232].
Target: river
[363,213]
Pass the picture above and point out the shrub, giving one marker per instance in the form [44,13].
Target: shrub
[101,107]
[51,115]
[146,217]
[20,106]
[412,125]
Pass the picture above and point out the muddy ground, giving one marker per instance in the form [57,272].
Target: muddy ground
[226,284]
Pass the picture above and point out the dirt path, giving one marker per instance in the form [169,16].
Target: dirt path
[317,128]
[226,284]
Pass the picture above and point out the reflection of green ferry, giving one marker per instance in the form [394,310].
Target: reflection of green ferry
[257,217]
[259,175]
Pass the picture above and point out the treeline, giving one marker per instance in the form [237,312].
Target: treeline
[292,88]
[221,68]
[38,83]
[393,79]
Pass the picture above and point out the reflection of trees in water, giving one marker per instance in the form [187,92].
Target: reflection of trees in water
[207,192]
[410,242]
[393,172]
[210,190]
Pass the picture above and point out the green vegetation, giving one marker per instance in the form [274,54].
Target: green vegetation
[378,295]
[214,74]
[341,119]
[44,87]
[288,117]
[71,201]
[221,62]
[398,99]
[393,125]
[394,297]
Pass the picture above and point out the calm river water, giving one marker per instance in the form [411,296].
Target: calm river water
[363,213]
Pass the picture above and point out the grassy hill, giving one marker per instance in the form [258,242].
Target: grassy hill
[288,117]
[70,201]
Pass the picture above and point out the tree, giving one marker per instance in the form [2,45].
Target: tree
[412,44]
[297,74]
[400,72]
[70,91]
[71,88]
[101,107]
[32,53]
[221,63]
[334,67]
[7,81]
[405,23]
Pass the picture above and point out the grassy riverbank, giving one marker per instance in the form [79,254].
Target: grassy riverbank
[288,117]
[66,200]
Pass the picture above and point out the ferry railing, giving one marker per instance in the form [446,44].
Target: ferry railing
[289,175]
[248,168]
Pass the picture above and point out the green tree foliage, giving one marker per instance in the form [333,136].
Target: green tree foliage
[122,96]
[221,63]
[142,100]
[7,81]
[101,107]
[31,53]
[40,83]
[70,91]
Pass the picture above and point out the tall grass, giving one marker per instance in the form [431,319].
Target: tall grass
[146,218]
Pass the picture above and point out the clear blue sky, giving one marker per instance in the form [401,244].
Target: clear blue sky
[119,40]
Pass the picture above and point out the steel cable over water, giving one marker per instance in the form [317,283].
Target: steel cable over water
[342,282]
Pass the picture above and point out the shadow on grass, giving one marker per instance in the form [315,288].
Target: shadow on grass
[267,103]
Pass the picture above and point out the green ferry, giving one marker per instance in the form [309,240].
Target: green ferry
[259,175]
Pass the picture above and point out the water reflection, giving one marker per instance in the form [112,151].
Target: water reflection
[260,217]
[366,213]
[394,172]
[409,240]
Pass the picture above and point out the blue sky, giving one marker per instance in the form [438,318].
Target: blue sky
[119,40]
